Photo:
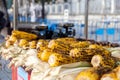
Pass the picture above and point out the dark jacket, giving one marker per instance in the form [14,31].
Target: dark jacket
[4,17]
[3,21]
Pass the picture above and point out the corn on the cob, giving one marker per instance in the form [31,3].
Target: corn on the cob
[41,43]
[57,59]
[80,44]
[86,54]
[117,71]
[13,39]
[59,46]
[109,76]
[66,39]
[10,41]
[94,46]
[103,61]
[39,54]
[89,74]
[45,55]
[32,44]
[24,35]
[23,43]
[41,46]
[92,73]
[81,54]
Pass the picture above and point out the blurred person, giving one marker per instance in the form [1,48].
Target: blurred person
[5,28]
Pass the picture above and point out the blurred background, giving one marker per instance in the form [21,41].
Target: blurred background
[103,20]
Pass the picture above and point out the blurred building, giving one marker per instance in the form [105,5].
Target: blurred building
[76,8]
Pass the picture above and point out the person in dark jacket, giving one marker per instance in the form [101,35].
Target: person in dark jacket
[2,20]
[4,17]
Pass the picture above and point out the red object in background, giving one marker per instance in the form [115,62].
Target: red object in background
[17,76]
[14,73]
[28,77]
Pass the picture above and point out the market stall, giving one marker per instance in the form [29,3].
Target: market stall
[59,59]
[33,58]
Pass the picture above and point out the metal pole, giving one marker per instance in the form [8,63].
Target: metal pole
[43,9]
[26,8]
[15,14]
[86,19]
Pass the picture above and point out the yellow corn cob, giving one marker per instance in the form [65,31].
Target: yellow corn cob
[89,74]
[92,73]
[23,43]
[10,41]
[117,72]
[109,76]
[79,44]
[41,48]
[57,59]
[94,46]
[39,54]
[32,44]
[24,35]
[103,61]
[45,55]
[67,41]
[59,46]
[86,54]
[13,39]
[41,44]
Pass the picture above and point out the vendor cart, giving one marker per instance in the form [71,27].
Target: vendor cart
[18,73]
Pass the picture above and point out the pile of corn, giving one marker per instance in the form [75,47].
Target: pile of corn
[99,73]
[62,50]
